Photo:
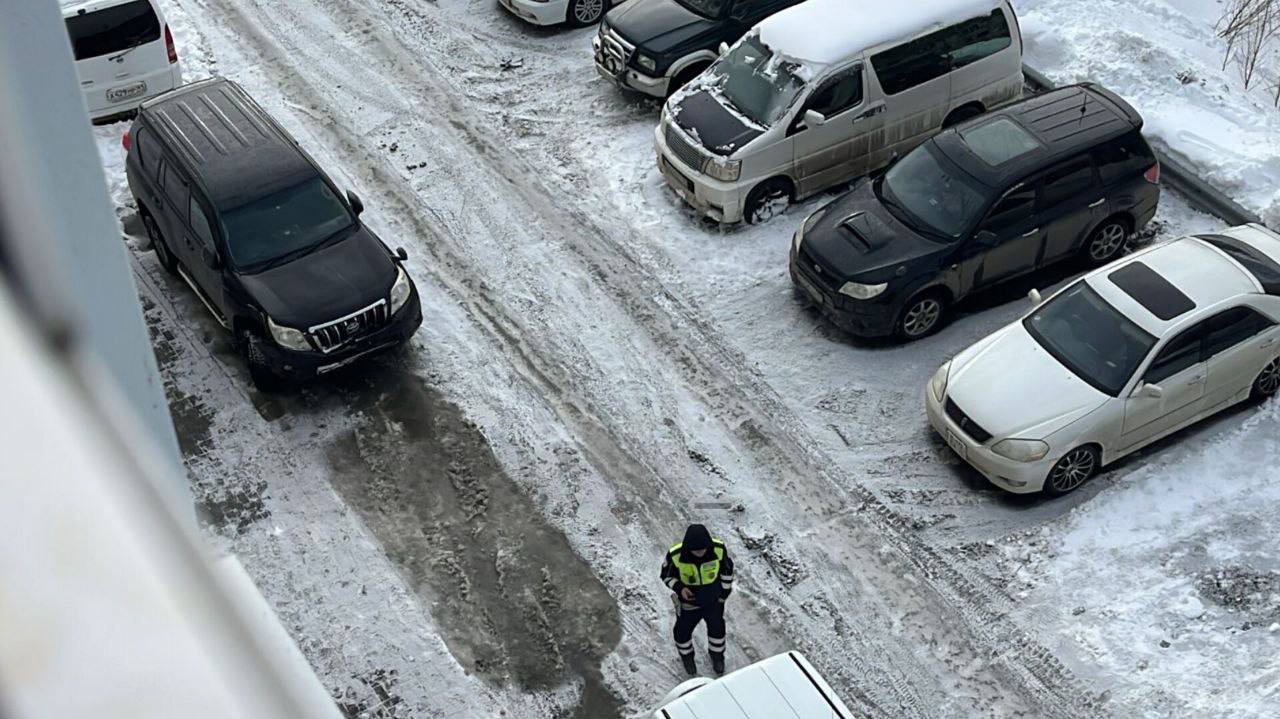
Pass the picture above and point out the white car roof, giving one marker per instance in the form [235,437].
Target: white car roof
[785,686]
[1199,271]
[828,31]
[71,7]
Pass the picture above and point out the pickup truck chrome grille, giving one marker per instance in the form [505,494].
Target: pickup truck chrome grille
[334,334]
[683,149]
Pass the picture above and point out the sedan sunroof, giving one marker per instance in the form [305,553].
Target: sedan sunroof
[1151,290]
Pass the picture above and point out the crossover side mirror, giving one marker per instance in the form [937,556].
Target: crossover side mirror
[1149,390]
[401,254]
[211,258]
[1034,296]
[724,48]
[354,200]
[813,118]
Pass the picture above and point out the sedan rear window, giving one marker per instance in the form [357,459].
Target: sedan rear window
[113,29]
[1263,268]
[1090,337]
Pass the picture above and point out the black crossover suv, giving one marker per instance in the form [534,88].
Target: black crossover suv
[244,216]
[1061,175]
[656,46]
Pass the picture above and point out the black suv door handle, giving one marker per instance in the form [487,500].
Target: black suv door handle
[1097,202]
[1029,233]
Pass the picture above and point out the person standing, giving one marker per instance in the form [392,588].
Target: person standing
[699,573]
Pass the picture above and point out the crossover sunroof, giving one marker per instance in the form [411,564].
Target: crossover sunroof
[999,141]
[1152,291]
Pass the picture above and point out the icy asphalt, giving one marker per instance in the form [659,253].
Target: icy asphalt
[471,527]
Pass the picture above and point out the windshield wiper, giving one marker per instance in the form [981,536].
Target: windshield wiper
[142,40]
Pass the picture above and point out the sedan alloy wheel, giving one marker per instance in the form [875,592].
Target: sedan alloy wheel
[1073,470]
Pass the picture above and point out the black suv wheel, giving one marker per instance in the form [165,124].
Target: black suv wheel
[163,254]
[251,349]
[1107,242]
[923,315]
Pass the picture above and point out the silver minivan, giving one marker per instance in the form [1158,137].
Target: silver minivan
[124,53]
[828,91]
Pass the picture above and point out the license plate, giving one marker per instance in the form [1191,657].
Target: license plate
[809,289]
[957,444]
[676,177]
[120,94]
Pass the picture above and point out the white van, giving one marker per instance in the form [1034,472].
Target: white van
[785,686]
[829,90]
[124,53]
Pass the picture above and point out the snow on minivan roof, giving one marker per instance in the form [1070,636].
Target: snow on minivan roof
[828,31]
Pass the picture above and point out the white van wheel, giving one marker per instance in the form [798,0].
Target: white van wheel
[768,200]
[586,12]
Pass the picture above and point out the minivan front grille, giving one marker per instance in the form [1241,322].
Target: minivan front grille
[967,425]
[683,149]
[332,335]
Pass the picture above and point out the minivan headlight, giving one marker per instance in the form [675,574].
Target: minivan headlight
[724,170]
[399,290]
[646,63]
[288,337]
[1021,450]
[938,385]
[859,291]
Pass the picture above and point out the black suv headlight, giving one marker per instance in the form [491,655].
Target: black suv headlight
[400,290]
[288,337]
[646,63]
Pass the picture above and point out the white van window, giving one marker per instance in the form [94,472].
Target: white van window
[926,192]
[838,94]
[757,83]
[934,55]
[981,37]
[113,29]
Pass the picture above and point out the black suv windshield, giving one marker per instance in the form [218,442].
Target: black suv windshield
[1090,337]
[705,8]
[927,192]
[756,82]
[284,223]
[113,29]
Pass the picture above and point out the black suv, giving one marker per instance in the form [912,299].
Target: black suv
[268,243]
[656,46]
[1061,175]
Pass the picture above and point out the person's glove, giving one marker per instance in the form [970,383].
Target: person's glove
[686,594]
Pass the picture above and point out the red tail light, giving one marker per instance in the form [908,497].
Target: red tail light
[124,141]
[168,44]
[1153,173]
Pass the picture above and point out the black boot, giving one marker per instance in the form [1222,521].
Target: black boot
[690,665]
[717,663]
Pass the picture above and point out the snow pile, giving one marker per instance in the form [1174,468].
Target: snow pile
[1165,585]
[1165,59]
[828,31]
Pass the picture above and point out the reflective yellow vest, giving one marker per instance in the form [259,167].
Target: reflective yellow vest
[695,575]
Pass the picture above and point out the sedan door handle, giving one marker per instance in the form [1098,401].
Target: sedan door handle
[1030,232]
[1098,202]
[1267,343]
[1196,380]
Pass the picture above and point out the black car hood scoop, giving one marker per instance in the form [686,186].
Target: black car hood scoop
[866,232]
[324,285]
[719,130]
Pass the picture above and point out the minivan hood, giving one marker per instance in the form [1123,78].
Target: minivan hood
[1010,386]
[332,282]
[717,129]
[860,240]
[657,25]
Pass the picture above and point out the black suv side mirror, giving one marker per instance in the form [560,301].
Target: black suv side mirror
[354,200]
[401,254]
[986,239]
[211,258]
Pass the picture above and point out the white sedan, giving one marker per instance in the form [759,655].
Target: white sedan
[1118,359]
[579,13]
[785,686]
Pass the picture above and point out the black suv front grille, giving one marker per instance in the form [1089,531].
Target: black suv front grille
[332,335]
[967,425]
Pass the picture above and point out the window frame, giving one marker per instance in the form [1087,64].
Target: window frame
[1031,186]
[167,166]
[1200,328]
[1042,203]
[830,82]
[1261,321]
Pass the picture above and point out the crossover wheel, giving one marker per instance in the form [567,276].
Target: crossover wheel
[1107,242]
[585,12]
[251,349]
[922,316]
[163,254]
[1074,469]
[1267,382]
[768,200]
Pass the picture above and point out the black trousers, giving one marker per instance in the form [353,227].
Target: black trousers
[688,619]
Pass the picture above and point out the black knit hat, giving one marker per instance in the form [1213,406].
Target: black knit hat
[696,537]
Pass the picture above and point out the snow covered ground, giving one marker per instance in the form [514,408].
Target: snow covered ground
[473,526]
